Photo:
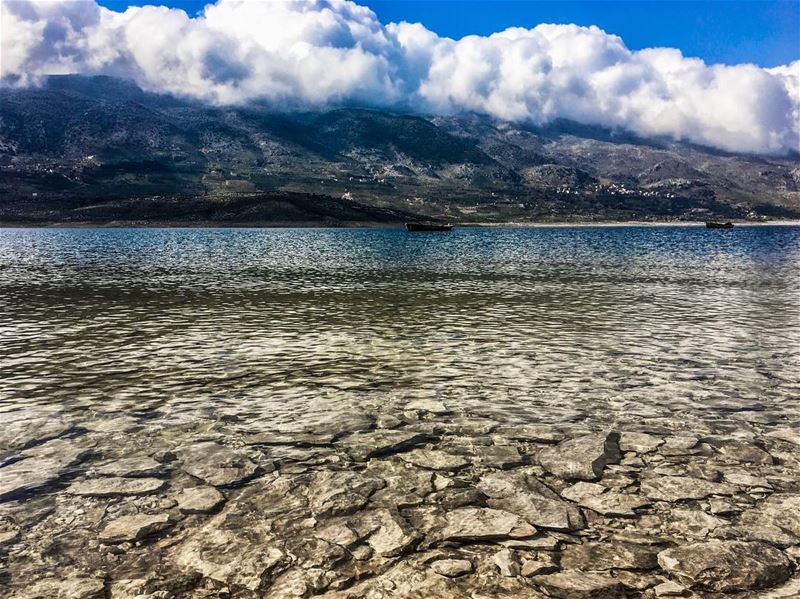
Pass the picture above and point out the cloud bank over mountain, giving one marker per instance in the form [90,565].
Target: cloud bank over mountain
[317,53]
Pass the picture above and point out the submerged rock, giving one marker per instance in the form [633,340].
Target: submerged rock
[741,451]
[727,566]
[789,435]
[474,524]
[582,458]
[543,564]
[639,442]
[23,433]
[498,456]
[237,545]
[133,528]
[782,511]
[404,486]
[40,466]
[64,588]
[216,464]
[506,563]
[113,486]
[363,446]
[452,568]
[609,555]
[531,500]
[599,499]
[132,467]
[393,535]
[341,493]
[199,500]
[431,406]
[29,475]
[678,488]
[434,459]
[572,584]
[669,589]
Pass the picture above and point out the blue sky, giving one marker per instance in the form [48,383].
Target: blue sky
[765,32]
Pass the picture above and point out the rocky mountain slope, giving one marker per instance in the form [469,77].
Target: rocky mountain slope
[98,149]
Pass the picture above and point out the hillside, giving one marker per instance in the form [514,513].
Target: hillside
[101,150]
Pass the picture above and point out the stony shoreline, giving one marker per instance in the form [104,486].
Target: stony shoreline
[418,500]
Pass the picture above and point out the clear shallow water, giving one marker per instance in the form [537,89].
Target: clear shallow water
[288,328]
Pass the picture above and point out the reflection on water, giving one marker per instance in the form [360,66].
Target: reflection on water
[290,326]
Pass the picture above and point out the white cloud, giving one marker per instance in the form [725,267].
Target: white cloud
[331,52]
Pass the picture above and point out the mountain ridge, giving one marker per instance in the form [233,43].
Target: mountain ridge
[82,142]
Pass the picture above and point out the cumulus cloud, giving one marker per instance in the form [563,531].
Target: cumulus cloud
[334,52]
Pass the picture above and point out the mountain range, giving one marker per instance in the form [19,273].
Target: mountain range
[101,150]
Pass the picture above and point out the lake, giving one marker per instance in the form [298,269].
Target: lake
[346,413]
[290,326]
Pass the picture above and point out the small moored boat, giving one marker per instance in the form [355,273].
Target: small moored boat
[713,225]
[419,227]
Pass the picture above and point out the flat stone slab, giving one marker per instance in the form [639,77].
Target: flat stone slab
[292,439]
[609,555]
[24,433]
[531,433]
[404,486]
[132,467]
[639,442]
[789,435]
[603,501]
[199,500]
[727,566]
[114,486]
[474,524]
[452,568]
[543,564]
[679,488]
[27,476]
[41,466]
[434,459]
[573,584]
[133,528]
[65,588]
[216,464]
[363,446]
[536,504]
[498,456]
[778,510]
[341,493]
[582,458]
[392,536]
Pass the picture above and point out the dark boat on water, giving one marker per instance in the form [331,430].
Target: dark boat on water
[713,225]
[420,227]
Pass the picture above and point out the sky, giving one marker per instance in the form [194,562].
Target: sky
[721,74]
[765,32]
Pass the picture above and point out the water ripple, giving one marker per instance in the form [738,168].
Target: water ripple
[544,325]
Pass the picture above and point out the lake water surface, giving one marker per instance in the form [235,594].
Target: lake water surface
[290,326]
